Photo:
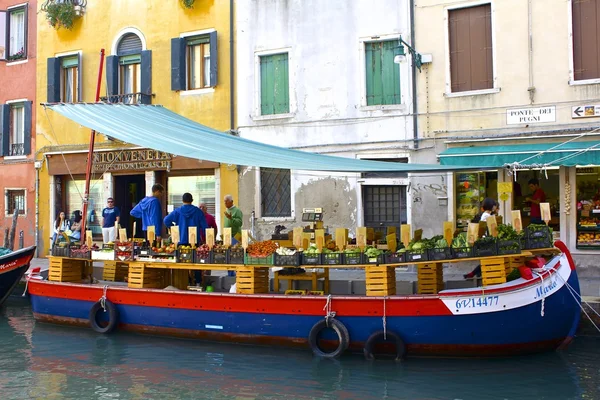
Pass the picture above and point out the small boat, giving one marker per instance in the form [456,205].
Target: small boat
[12,268]
[517,317]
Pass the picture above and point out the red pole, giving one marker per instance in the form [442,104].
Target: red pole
[88,172]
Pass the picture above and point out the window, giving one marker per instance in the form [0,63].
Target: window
[69,86]
[275,192]
[17,34]
[471,63]
[202,189]
[130,76]
[194,61]
[17,130]
[384,206]
[15,200]
[274,84]
[382,74]
[586,39]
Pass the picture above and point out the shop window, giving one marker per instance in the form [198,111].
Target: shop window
[15,200]
[202,189]
[274,84]
[194,62]
[382,74]
[586,39]
[13,39]
[384,206]
[74,201]
[588,208]
[275,192]
[471,56]
[471,189]
[15,129]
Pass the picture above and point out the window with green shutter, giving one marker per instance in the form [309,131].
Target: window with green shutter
[274,84]
[382,74]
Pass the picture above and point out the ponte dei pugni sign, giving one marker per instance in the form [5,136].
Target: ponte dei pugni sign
[127,160]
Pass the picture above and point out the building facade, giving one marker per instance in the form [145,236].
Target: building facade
[18,116]
[506,88]
[327,82]
[181,62]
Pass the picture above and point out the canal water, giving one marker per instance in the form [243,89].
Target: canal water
[40,361]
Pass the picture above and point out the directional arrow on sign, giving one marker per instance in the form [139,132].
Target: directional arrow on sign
[578,111]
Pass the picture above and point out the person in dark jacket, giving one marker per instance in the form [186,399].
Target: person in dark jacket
[185,216]
[149,210]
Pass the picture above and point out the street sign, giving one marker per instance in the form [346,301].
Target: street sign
[531,115]
[586,111]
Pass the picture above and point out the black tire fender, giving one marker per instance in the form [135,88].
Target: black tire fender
[378,337]
[113,317]
[339,328]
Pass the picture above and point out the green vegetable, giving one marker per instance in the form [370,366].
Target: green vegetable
[514,274]
[460,241]
[373,252]
[441,244]
[507,232]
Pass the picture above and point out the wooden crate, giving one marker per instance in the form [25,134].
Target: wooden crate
[66,269]
[380,280]
[430,278]
[180,278]
[141,276]
[493,271]
[514,262]
[251,280]
[115,271]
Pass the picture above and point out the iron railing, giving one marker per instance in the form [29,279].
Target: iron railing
[17,149]
[80,3]
[128,98]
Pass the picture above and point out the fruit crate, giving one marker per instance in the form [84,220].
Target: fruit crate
[58,251]
[440,254]
[485,249]
[123,247]
[353,258]
[76,252]
[538,243]
[185,255]
[249,260]
[380,259]
[204,258]
[292,260]
[395,258]
[311,259]
[415,256]
[335,258]
[509,247]
[220,255]
[235,255]
[107,246]
[462,252]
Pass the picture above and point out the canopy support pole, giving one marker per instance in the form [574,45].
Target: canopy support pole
[88,172]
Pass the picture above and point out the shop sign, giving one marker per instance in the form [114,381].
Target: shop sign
[586,111]
[531,115]
[504,190]
[124,160]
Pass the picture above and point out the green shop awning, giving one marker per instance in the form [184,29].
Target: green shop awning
[157,128]
[553,154]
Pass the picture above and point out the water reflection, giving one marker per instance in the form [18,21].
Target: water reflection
[45,362]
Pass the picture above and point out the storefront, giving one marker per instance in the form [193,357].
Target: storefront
[587,208]
[127,175]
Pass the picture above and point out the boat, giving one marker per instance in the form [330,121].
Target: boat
[12,268]
[517,317]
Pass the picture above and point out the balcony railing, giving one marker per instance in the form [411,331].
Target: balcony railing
[129,98]
[80,3]
[17,149]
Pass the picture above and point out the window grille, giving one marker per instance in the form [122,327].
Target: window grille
[275,191]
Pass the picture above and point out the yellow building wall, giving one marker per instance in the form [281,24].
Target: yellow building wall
[100,27]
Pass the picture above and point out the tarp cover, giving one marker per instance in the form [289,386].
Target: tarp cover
[158,128]
[553,154]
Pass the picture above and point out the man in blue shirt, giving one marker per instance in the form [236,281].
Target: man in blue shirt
[110,215]
[149,210]
[185,216]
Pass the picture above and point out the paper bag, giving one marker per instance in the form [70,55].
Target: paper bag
[341,238]
[151,232]
[244,239]
[123,235]
[418,235]
[210,237]
[516,220]
[449,232]
[193,235]
[175,237]
[405,234]
[88,239]
[545,211]
[320,239]
[472,233]
[297,238]
[391,242]
[361,237]
[492,225]
[227,237]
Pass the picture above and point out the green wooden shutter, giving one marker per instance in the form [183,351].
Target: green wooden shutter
[4,129]
[27,108]
[274,84]
[390,73]
[382,74]
[178,67]
[53,83]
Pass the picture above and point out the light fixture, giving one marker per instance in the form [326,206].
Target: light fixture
[401,56]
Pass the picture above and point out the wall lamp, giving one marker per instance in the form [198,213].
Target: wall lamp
[401,56]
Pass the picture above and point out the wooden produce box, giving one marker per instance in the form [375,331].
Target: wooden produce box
[115,271]
[66,269]
[430,278]
[251,280]
[493,271]
[142,277]
[380,280]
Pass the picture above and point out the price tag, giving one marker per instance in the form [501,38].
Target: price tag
[193,235]
[210,237]
[492,225]
[341,238]
[545,211]
[516,220]
[226,237]
[449,232]
[320,238]
[361,237]
[297,237]
[405,234]
[151,232]
[123,235]
[585,213]
[391,242]
[175,237]
[244,239]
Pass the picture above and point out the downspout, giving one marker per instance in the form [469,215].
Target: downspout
[531,88]
[414,78]
[231,69]
[37,208]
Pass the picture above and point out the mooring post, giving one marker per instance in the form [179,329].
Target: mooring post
[13,228]
[21,240]
[5,244]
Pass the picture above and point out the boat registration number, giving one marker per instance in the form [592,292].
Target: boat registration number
[477,302]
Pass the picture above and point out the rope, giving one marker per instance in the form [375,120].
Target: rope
[328,313]
[26,286]
[103,298]
[384,319]
[543,293]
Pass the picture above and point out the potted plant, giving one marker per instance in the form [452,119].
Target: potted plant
[188,3]
[19,55]
[61,14]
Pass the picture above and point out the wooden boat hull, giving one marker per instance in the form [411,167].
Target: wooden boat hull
[514,318]
[12,268]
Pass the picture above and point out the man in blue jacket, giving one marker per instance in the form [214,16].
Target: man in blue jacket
[149,210]
[185,216]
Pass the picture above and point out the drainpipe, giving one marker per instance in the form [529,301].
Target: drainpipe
[231,68]
[414,77]
[37,207]
[531,88]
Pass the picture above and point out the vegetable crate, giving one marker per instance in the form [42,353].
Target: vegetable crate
[58,251]
[249,260]
[394,258]
[509,247]
[538,231]
[538,242]
[142,277]
[353,258]
[292,260]
[115,271]
[65,269]
[185,255]
[380,280]
[462,252]
[235,256]
[493,271]
[251,280]
[440,254]
[335,258]
[76,252]
[414,256]
[430,278]
[311,259]
[380,259]
[220,255]
[485,249]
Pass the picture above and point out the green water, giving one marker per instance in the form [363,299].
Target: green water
[40,361]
